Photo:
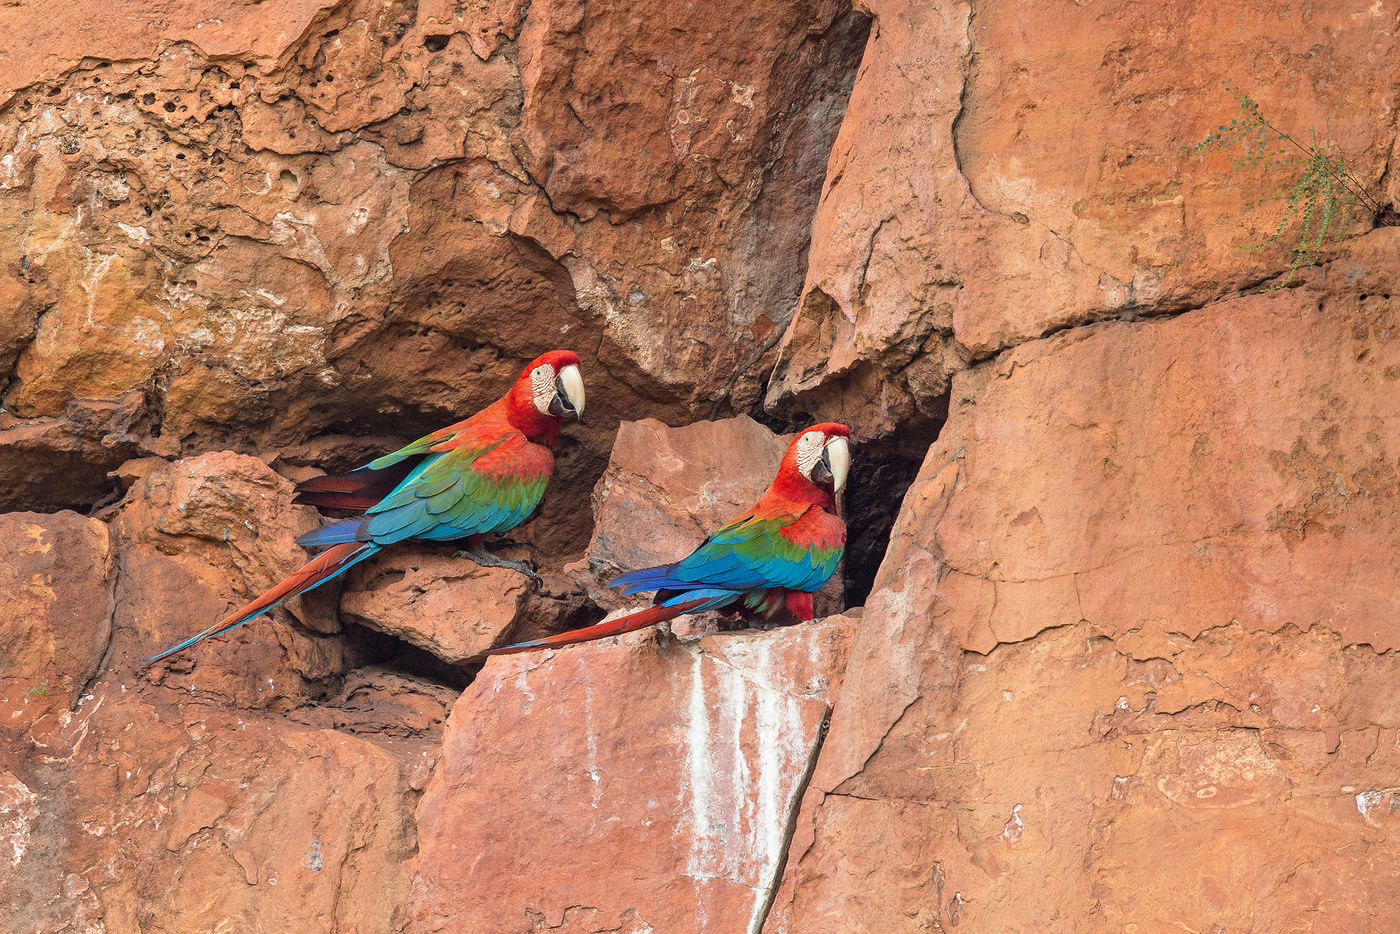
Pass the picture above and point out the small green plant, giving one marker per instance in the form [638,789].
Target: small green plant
[41,689]
[1323,191]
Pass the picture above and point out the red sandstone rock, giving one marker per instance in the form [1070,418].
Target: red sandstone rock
[56,573]
[1127,665]
[1003,173]
[1121,625]
[288,219]
[199,538]
[448,605]
[650,784]
[144,815]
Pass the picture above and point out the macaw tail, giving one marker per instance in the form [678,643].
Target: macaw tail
[320,569]
[608,627]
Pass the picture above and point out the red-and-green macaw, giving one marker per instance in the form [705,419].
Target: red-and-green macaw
[765,565]
[484,474]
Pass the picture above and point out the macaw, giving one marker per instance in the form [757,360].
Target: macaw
[765,565]
[484,474]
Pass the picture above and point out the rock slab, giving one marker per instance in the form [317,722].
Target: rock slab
[652,784]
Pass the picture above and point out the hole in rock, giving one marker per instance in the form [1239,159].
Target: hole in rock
[435,43]
[881,473]
[405,658]
[51,480]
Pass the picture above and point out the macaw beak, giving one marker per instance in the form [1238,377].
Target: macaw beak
[836,457]
[568,393]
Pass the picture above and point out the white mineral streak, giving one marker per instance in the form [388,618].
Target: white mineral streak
[747,746]
[18,808]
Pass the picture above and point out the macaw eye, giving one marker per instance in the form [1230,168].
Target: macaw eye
[809,452]
[542,387]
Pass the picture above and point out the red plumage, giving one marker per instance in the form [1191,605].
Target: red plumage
[609,627]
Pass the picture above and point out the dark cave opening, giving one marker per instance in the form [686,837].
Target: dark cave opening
[390,653]
[881,473]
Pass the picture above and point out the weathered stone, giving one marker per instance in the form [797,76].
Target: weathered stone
[65,463]
[989,186]
[296,218]
[448,605]
[660,802]
[56,574]
[147,816]
[200,538]
[1129,663]
[1148,618]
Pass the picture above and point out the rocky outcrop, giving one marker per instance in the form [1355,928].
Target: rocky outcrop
[1126,663]
[1004,173]
[1141,644]
[296,218]
[654,779]
[57,575]
[439,602]
[174,799]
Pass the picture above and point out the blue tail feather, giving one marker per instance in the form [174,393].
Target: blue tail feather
[334,534]
[648,579]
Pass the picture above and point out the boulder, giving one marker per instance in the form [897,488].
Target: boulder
[448,605]
[651,784]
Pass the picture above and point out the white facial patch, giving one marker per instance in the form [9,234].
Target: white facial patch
[542,387]
[809,451]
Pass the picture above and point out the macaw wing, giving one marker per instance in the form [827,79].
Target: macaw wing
[357,490]
[471,489]
[454,437]
[752,553]
[365,486]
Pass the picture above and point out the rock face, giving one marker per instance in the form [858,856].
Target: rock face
[659,803]
[133,799]
[1151,620]
[293,218]
[1128,662]
[56,573]
[1000,175]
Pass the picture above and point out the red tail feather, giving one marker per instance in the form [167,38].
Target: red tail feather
[319,570]
[609,627]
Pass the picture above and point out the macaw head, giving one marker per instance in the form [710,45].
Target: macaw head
[822,454]
[816,464]
[556,385]
[548,391]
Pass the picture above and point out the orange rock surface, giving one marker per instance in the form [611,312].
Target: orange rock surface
[1127,663]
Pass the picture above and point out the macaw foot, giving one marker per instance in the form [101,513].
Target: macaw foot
[487,560]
